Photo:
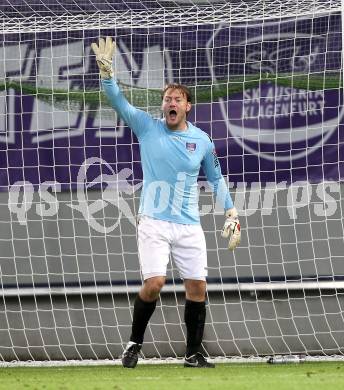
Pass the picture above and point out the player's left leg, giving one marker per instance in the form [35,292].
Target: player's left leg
[190,255]
[195,314]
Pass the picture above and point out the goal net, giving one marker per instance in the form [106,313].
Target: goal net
[266,77]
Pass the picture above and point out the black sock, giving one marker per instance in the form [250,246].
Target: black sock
[194,320]
[142,313]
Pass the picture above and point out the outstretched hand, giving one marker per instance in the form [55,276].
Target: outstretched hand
[104,52]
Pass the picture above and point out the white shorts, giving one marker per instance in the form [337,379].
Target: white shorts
[186,243]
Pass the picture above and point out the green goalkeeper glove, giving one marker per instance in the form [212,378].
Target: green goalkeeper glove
[104,53]
[231,228]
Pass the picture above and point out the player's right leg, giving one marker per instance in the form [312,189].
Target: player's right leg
[144,307]
[154,250]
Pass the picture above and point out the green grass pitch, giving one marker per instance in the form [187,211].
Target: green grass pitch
[256,376]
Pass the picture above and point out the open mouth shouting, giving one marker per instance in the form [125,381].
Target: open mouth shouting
[175,107]
[172,115]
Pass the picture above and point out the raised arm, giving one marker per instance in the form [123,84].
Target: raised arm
[136,119]
[212,169]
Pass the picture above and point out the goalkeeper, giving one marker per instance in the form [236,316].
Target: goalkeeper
[172,152]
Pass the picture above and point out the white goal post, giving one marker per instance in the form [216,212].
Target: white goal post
[267,84]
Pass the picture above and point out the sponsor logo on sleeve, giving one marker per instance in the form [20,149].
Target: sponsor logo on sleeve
[216,159]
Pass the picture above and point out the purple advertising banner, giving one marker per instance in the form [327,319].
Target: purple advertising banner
[268,94]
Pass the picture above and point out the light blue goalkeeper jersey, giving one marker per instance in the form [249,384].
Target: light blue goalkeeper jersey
[171,161]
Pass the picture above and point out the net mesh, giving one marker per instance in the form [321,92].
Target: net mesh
[266,77]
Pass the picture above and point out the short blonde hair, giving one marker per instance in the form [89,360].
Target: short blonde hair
[184,90]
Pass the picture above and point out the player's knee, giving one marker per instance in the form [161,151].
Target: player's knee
[152,287]
[156,286]
[195,290]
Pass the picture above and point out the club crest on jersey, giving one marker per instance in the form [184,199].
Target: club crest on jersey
[191,146]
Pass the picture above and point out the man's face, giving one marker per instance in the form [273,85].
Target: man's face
[175,107]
